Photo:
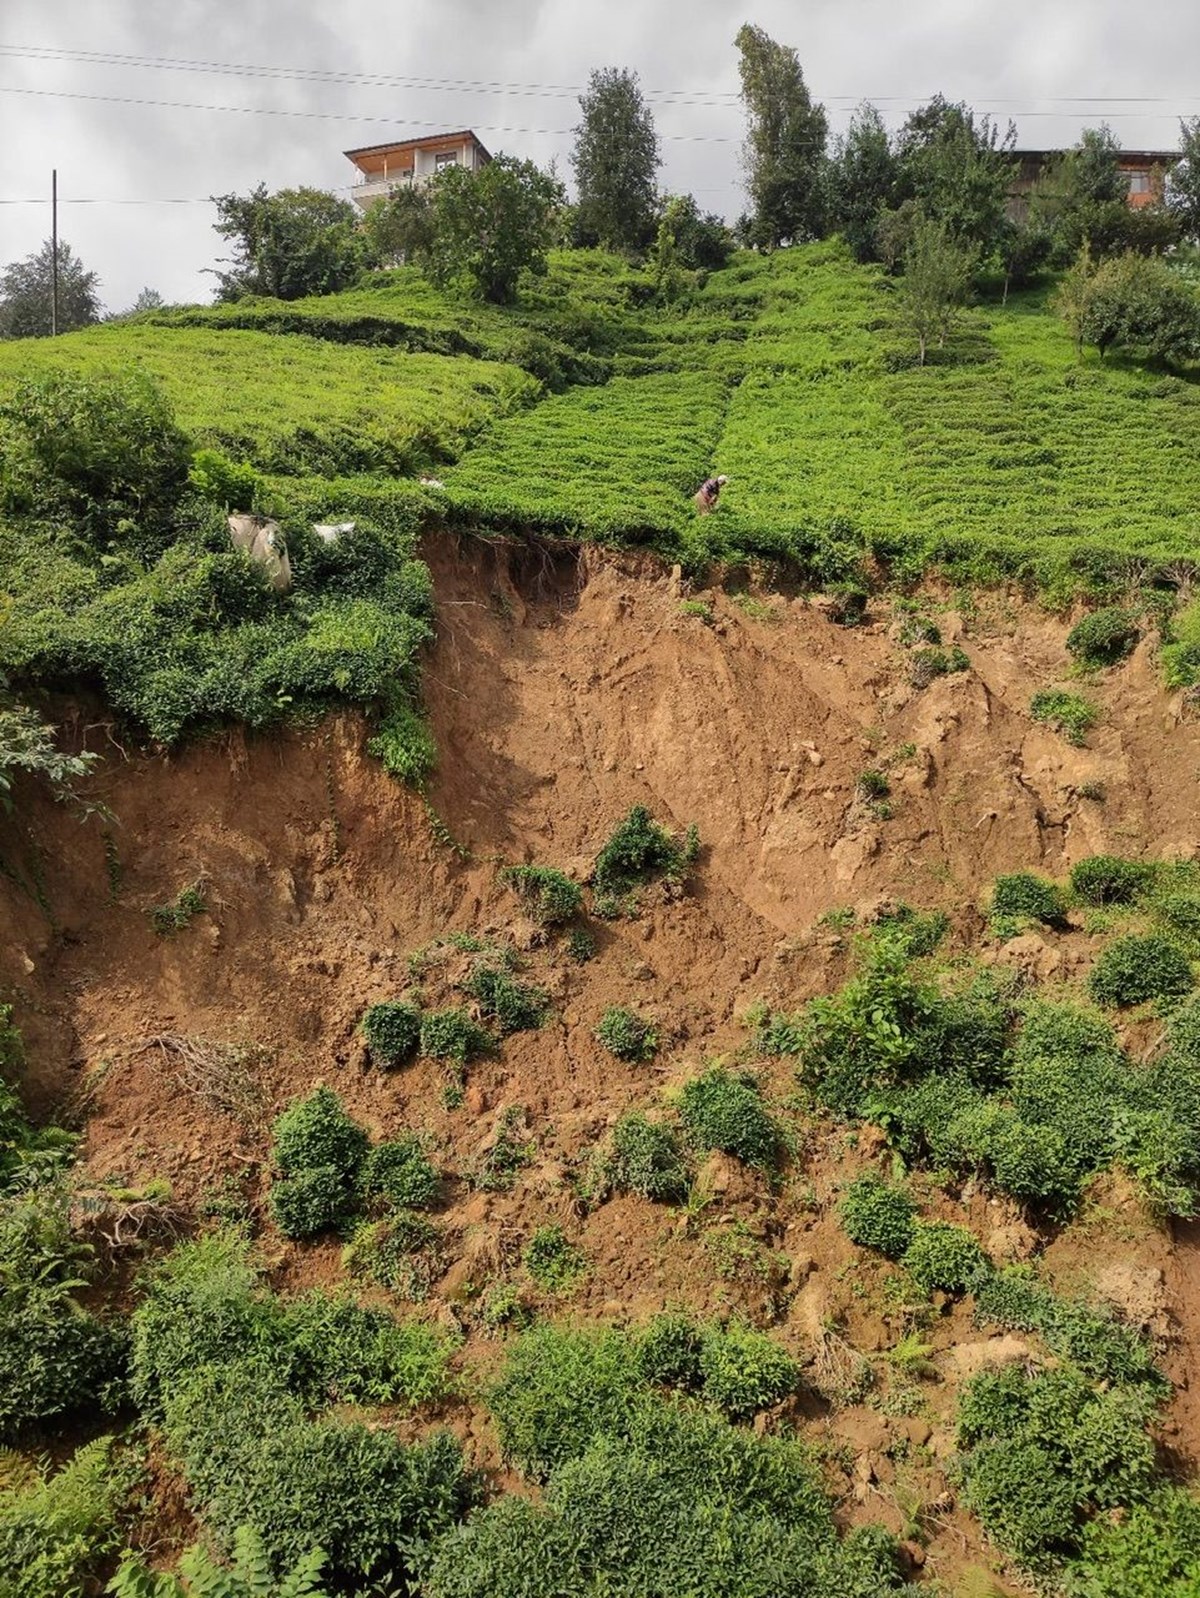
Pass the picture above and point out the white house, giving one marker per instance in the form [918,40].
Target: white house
[383,167]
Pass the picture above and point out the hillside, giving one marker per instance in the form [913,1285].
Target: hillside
[783,1182]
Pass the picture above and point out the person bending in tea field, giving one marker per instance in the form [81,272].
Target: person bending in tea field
[706,496]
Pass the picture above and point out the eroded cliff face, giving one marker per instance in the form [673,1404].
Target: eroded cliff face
[562,691]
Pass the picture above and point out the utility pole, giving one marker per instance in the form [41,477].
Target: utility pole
[54,253]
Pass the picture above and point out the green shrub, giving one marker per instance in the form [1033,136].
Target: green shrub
[452,1035]
[945,1256]
[401,1252]
[513,1006]
[393,1032]
[1134,969]
[549,895]
[336,1352]
[180,911]
[873,785]
[56,1358]
[1103,638]
[1023,894]
[927,664]
[627,1036]
[668,1352]
[58,1533]
[552,1260]
[227,484]
[723,1111]
[581,946]
[558,1390]
[313,1201]
[200,1574]
[743,1371]
[1070,714]
[496,1170]
[876,1215]
[1151,1551]
[638,851]
[317,1133]
[404,744]
[1090,1337]
[646,1159]
[1107,879]
[399,1173]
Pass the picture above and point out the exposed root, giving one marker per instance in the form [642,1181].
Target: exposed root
[221,1075]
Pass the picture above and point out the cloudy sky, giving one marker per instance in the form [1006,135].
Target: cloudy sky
[148,108]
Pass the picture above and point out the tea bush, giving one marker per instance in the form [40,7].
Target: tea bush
[552,1260]
[743,1371]
[512,1005]
[668,1352]
[399,1173]
[945,1256]
[319,1151]
[646,1159]
[1090,1337]
[393,1032]
[1103,638]
[551,897]
[627,1036]
[722,1111]
[401,1252]
[311,1202]
[1070,714]
[1023,894]
[876,1215]
[1134,969]
[452,1035]
[1107,879]
[638,851]
[1151,1551]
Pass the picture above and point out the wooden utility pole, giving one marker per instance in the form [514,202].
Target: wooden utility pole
[54,253]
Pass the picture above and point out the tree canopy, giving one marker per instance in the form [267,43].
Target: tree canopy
[288,245]
[491,225]
[26,294]
[785,143]
[615,160]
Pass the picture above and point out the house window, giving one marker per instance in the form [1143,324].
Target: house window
[1139,183]
[445,158]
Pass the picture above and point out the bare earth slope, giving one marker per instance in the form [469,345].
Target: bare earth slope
[561,692]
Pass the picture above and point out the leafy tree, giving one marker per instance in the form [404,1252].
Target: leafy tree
[702,241]
[615,159]
[400,228]
[148,299]
[26,294]
[937,276]
[288,245]
[958,168]
[1073,296]
[1085,200]
[491,225]
[862,180]
[1183,182]
[785,143]
[1137,302]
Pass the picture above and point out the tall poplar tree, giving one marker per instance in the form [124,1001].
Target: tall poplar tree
[785,143]
[615,160]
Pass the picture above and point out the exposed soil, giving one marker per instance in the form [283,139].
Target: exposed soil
[562,690]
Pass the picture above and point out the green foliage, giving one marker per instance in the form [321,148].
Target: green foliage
[1046,1450]
[615,158]
[452,1035]
[57,1535]
[1152,1551]
[1089,1337]
[637,852]
[668,1351]
[200,1576]
[1134,969]
[743,1371]
[785,143]
[179,912]
[511,1005]
[404,745]
[56,1358]
[392,1031]
[492,224]
[722,1111]
[936,280]
[399,1173]
[1138,303]
[401,1252]
[27,744]
[581,946]
[225,483]
[1071,714]
[1023,894]
[103,452]
[289,244]
[627,1036]
[27,287]
[926,664]
[553,1261]
[1107,879]
[877,1215]
[945,1256]
[1104,637]
[549,895]
[646,1159]
[497,1170]
[319,1152]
